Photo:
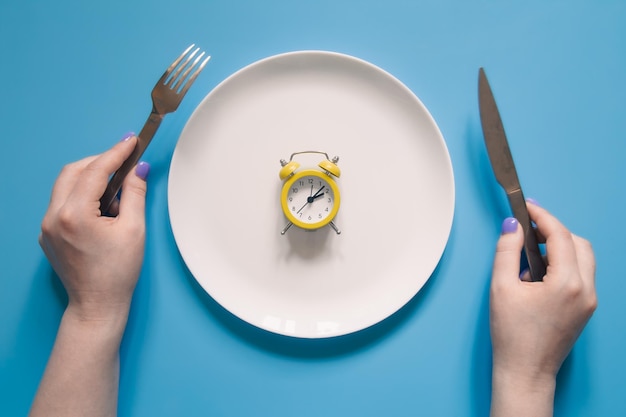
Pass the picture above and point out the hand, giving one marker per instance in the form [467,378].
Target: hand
[535,324]
[97,258]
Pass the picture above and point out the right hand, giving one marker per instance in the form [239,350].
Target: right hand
[534,325]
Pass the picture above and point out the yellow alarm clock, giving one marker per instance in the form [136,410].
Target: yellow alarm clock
[310,197]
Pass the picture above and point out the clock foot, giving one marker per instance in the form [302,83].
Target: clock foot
[286,228]
[335,228]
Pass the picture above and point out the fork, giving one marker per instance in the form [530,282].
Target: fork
[166,96]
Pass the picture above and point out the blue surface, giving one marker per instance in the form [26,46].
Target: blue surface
[77,75]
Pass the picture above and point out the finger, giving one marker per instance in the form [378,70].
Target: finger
[506,262]
[94,178]
[559,242]
[65,182]
[133,200]
[586,260]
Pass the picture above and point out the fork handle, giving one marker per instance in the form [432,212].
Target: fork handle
[144,139]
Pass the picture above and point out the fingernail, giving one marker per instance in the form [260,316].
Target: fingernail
[533,201]
[509,225]
[142,170]
[127,136]
[525,275]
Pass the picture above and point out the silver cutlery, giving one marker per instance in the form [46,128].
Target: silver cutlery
[166,96]
[504,169]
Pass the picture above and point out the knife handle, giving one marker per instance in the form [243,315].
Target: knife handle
[536,264]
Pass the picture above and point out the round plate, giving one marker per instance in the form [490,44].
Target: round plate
[396,184]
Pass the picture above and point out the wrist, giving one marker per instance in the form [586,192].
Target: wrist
[109,322]
[525,373]
[522,393]
[524,381]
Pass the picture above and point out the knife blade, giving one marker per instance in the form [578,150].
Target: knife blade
[506,174]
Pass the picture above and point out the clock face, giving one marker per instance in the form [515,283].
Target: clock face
[310,199]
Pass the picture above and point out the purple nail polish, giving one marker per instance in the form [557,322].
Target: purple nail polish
[525,275]
[142,170]
[509,225]
[533,201]
[127,136]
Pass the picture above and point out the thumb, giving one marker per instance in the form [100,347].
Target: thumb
[506,264]
[133,199]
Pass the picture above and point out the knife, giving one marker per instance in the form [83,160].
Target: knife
[504,169]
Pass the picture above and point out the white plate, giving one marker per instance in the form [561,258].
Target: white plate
[397,191]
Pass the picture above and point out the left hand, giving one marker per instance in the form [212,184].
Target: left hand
[97,258]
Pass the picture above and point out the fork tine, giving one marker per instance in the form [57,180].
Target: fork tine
[174,64]
[172,79]
[182,78]
[193,77]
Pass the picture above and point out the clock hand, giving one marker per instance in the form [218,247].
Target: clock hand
[305,204]
[312,198]
[317,194]
[315,197]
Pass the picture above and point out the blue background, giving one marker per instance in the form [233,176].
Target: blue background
[75,76]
